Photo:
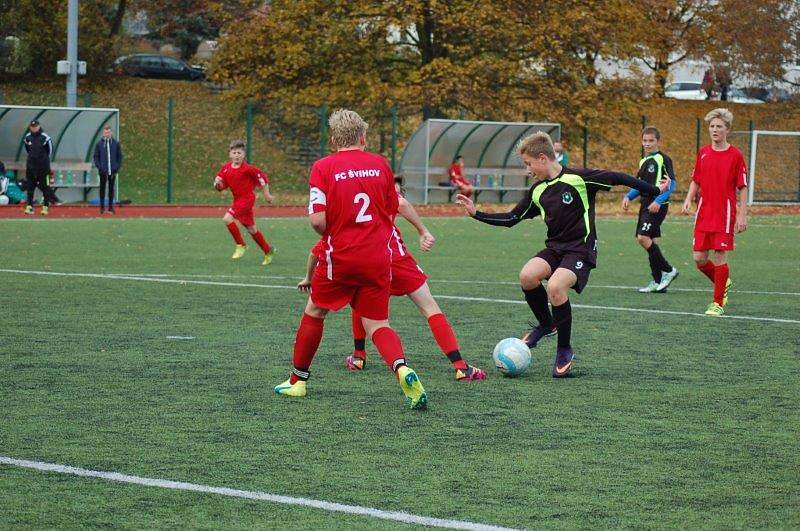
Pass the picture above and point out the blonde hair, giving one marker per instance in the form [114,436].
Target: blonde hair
[539,143]
[346,128]
[236,144]
[723,114]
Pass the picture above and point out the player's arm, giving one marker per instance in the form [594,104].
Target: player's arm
[663,197]
[317,201]
[690,196]
[741,185]
[305,284]
[268,197]
[525,209]
[605,179]
[426,239]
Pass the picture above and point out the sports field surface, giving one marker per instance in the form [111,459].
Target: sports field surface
[137,347]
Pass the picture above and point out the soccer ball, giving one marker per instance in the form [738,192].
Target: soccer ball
[3,199]
[512,356]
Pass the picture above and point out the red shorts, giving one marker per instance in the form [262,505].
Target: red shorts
[370,300]
[243,214]
[407,276]
[712,241]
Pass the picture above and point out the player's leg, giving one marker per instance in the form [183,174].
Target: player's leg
[722,279]
[306,343]
[357,360]
[230,223]
[655,272]
[102,192]
[443,334]
[46,192]
[112,185]
[558,287]
[372,302]
[30,188]
[531,276]
[258,237]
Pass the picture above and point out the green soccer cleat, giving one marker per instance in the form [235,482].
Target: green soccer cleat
[652,287]
[239,252]
[28,210]
[666,279]
[728,286]
[297,390]
[412,388]
[268,256]
[715,309]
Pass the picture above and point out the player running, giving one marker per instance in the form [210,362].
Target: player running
[352,205]
[719,173]
[242,179]
[653,210]
[410,280]
[564,197]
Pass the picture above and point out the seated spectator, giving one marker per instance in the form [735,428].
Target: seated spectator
[457,178]
[562,157]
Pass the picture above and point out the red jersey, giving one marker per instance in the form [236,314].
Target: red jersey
[457,174]
[718,174]
[356,191]
[242,181]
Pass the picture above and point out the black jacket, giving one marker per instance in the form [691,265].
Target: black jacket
[40,148]
[108,156]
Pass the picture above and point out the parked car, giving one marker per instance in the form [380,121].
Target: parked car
[157,66]
[769,94]
[684,90]
[737,95]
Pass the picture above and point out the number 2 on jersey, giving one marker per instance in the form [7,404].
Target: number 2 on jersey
[362,216]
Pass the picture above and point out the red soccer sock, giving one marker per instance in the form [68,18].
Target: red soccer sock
[259,239]
[234,230]
[390,347]
[721,274]
[446,339]
[359,336]
[708,270]
[306,343]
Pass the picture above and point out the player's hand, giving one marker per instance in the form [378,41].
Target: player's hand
[741,222]
[218,183]
[466,202]
[426,241]
[304,286]
[664,184]
[625,203]
[654,207]
[687,207]
[269,197]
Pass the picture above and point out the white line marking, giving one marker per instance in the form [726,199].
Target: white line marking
[395,516]
[180,337]
[452,297]
[444,281]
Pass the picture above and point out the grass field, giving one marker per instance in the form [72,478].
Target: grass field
[673,419]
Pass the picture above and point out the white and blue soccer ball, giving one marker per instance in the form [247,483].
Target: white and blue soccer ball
[512,356]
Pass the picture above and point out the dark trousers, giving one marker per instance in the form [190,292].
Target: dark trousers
[33,180]
[111,180]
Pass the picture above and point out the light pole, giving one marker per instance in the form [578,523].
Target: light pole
[72,53]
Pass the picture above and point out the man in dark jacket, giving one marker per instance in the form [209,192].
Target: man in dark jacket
[37,168]
[108,160]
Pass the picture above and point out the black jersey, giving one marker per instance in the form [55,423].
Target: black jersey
[566,203]
[653,168]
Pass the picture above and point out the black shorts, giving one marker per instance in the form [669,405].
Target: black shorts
[575,262]
[649,224]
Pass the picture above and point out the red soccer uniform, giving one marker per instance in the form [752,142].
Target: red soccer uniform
[719,174]
[457,175]
[243,181]
[356,191]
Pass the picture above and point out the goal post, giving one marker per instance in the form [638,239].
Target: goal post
[773,164]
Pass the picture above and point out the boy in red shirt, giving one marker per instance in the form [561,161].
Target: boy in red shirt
[407,279]
[352,204]
[242,179]
[719,174]
[457,178]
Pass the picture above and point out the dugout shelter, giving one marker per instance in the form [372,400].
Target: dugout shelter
[490,161]
[74,132]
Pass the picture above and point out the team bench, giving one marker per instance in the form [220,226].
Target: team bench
[517,175]
[65,175]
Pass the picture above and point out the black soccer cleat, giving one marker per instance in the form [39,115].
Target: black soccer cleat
[536,333]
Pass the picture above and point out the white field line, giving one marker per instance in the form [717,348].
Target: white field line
[396,516]
[180,337]
[451,297]
[444,281]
